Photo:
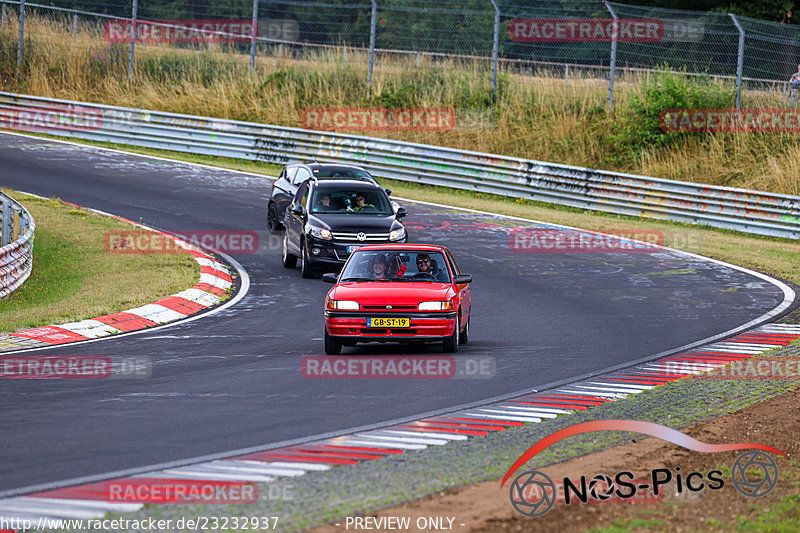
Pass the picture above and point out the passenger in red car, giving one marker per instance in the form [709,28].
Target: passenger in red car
[379,268]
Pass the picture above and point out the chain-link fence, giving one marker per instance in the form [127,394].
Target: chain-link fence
[563,39]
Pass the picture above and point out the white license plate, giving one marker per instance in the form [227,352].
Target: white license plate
[351,249]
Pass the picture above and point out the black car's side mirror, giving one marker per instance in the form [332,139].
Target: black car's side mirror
[388,192]
[463,278]
[401,212]
[330,277]
[298,210]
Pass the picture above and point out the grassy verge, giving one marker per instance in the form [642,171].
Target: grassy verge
[75,278]
[537,114]
[777,257]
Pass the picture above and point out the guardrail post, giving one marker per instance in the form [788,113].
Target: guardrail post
[613,69]
[8,222]
[739,60]
[495,47]
[372,23]
[21,35]
[253,33]
[134,12]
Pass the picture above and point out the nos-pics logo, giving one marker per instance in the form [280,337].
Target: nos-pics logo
[532,493]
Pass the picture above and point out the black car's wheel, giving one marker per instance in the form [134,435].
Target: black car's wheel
[464,337]
[288,260]
[450,344]
[332,345]
[306,270]
[273,223]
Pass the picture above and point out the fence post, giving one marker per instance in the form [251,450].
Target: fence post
[566,73]
[739,60]
[372,23]
[253,33]
[495,47]
[8,221]
[134,13]
[344,55]
[613,69]
[3,17]
[74,26]
[21,35]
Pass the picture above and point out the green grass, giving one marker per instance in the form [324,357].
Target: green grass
[74,277]
[49,282]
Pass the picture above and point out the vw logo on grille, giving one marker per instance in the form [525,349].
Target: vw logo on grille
[361,236]
[388,307]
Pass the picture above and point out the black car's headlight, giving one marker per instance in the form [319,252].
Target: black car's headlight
[320,233]
[397,234]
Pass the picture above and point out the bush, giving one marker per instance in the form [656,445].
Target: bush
[637,127]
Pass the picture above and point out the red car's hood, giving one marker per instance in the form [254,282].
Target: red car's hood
[395,293]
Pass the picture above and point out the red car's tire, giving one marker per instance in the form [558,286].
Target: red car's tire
[450,344]
[332,345]
[464,337]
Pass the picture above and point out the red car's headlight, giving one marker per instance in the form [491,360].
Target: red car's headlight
[346,305]
[435,306]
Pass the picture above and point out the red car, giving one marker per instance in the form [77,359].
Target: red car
[398,293]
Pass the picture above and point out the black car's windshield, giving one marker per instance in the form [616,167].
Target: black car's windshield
[344,173]
[351,202]
[406,265]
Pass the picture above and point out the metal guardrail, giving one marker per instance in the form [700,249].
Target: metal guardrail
[16,253]
[724,207]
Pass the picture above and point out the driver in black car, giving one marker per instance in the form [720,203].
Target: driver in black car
[360,204]
[426,266]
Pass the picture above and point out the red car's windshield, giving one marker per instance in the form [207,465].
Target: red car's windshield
[406,265]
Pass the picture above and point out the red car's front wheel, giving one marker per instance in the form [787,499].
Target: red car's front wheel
[450,344]
[333,346]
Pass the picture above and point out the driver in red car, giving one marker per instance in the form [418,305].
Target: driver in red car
[426,265]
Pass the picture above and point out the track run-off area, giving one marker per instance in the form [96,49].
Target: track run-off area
[232,380]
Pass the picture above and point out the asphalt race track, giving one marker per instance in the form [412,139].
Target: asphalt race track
[232,380]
